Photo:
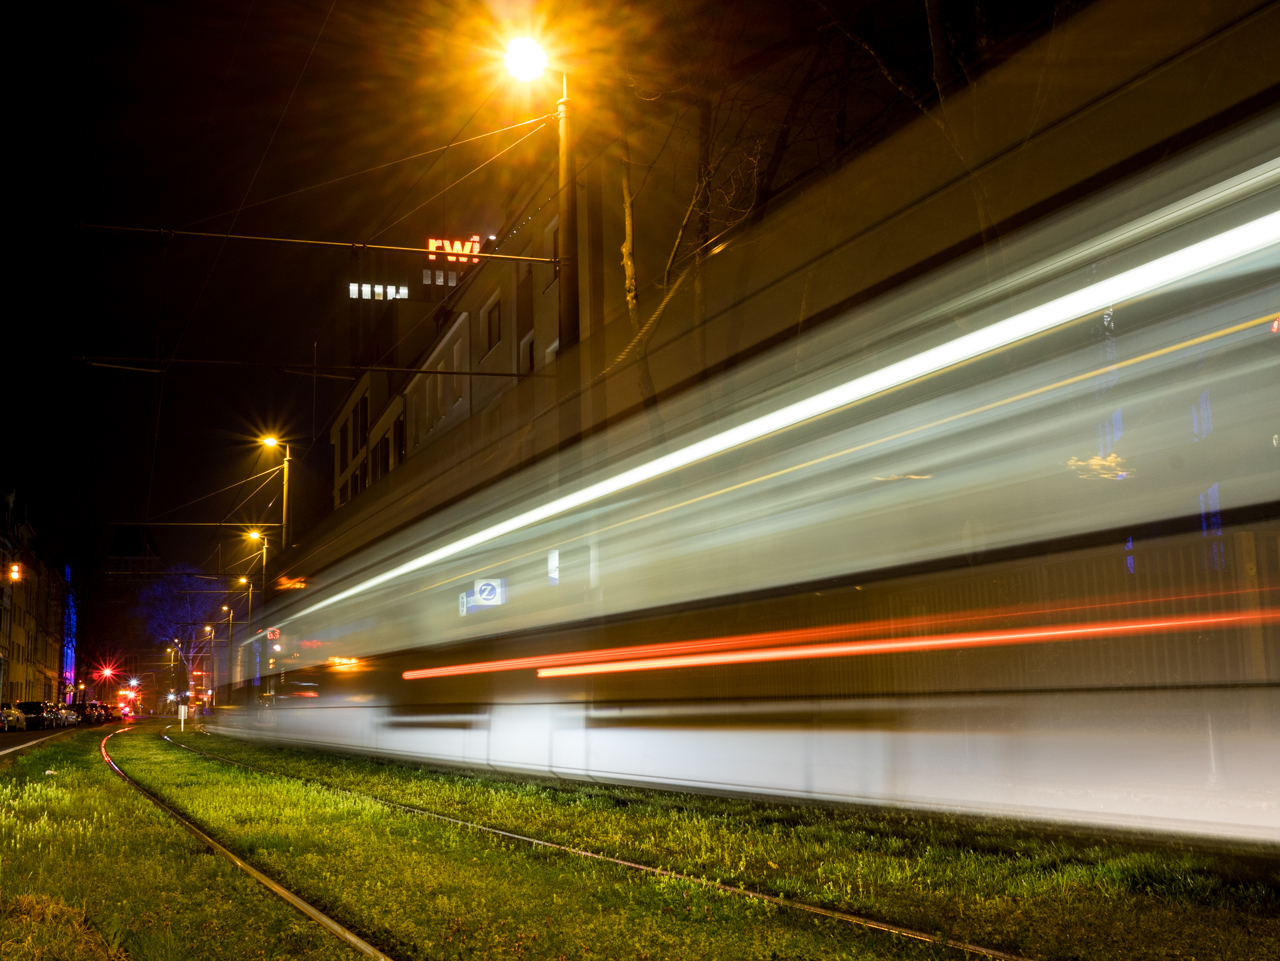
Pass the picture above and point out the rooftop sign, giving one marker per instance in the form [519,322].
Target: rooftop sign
[452,248]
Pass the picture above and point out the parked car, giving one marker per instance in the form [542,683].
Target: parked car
[11,719]
[98,713]
[68,716]
[39,715]
[89,713]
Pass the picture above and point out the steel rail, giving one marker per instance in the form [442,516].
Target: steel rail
[316,915]
[856,919]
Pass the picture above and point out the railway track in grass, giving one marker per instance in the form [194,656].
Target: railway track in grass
[303,907]
[848,917]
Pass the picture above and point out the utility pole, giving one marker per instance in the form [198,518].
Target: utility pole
[284,510]
[567,254]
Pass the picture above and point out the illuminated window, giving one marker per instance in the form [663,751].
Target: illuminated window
[440,278]
[453,278]
[377,291]
[366,291]
[426,277]
[355,291]
[404,293]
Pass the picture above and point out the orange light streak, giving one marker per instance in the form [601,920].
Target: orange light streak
[941,642]
[739,641]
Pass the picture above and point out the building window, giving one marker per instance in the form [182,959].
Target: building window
[426,277]
[398,434]
[364,473]
[404,293]
[493,323]
[526,355]
[453,278]
[343,449]
[363,429]
[355,291]
[377,291]
[366,291]
[439,278]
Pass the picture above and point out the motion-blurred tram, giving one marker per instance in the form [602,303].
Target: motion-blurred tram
[1004,540]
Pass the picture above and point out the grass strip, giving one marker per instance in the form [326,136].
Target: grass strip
[418,888]
[90,869]
[986,882]
[632,865]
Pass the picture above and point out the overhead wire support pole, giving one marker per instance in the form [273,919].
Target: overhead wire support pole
[165,232]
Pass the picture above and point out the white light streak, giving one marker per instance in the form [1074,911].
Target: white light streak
[1205,255]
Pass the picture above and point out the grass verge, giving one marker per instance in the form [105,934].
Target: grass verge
[89,869]
[418,888]
[989,883]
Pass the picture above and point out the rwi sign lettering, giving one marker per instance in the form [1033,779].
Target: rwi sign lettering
[453,248]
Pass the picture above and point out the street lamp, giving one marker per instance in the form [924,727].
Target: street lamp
[284,500]
[525,61]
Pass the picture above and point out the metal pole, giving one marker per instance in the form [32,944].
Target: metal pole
[568,226]
[284,506]
[568,406]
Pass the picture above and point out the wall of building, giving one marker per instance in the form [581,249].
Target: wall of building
[32,623]
[1073,112]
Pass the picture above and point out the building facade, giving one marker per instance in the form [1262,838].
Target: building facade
[37,623]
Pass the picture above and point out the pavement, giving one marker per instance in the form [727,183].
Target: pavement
[11,741]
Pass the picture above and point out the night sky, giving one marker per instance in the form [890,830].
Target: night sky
[200,117]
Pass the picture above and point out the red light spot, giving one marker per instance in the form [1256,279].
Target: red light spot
[309,644]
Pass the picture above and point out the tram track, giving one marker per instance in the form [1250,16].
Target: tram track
[308,910]
[848,917]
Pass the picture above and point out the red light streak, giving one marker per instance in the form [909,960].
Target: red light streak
[796,636]
[940,642]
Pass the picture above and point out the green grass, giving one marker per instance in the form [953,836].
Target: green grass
[988,883]
[90,869]
[419,888]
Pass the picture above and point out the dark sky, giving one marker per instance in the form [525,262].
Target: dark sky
[200,116]
[177,115]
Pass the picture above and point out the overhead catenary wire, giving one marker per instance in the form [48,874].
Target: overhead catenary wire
[367,170]
[460,179]
[306,369]
[220,490]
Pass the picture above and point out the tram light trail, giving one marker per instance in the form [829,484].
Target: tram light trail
[942,642]
[790,645]
[1194,259]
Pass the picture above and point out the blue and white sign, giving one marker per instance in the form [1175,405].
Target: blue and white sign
[488,592]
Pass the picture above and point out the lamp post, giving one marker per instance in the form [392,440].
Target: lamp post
[526,61]
[284,499]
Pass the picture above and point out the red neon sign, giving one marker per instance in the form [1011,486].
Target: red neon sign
[453,248]
[273,634]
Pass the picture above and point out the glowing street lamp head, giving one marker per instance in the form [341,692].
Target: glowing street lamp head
[269,442]
[525,59]
[244,580]
[133,682]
